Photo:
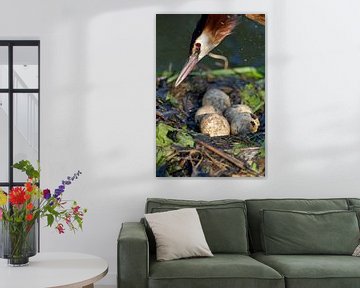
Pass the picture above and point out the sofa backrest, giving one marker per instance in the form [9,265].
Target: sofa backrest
[256,205]
[223,221]
[354,205]
[353,202]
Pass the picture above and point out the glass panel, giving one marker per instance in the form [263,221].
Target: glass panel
[4,137]
[5,189]
[26,67]
[26,130]
[4,67]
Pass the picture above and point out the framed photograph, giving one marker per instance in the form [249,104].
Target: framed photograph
[210,95]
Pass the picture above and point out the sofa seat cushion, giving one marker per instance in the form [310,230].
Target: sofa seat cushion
[222,270]
[313,271]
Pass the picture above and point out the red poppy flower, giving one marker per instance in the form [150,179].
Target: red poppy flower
[27,196]
[29,187]
[29,217]
[29,206]
[17,196]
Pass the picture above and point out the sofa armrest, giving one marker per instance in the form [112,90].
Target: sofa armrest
[133,256]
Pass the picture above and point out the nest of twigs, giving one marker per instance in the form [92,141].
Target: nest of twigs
[182,151]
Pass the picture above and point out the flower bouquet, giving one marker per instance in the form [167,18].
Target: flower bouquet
[21,208]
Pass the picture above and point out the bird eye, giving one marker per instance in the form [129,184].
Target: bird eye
[197,47]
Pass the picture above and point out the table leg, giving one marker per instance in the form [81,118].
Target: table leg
[89,286]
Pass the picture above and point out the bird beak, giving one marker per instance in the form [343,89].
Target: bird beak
[188,67]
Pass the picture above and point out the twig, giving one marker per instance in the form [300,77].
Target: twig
[216,162]
[195,166]
[235,161]
[249,149]
[158,114]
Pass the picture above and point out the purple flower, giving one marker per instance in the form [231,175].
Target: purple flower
[68,181]
[46,194]
[58,192]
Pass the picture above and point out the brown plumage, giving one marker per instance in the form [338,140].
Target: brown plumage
[218,26]
[259,18]
[209,32]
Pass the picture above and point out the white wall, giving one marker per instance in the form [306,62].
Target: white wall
[98,105]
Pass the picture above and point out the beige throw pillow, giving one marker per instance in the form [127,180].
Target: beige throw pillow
[357,251]
[178,234]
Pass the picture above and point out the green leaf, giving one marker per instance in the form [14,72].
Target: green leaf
[185,139]
[238,147]
[254,166]
[162,131]
[165,74]
[28,168]
[172,100]
[253,97]
[182,138]
[163,154]
[262,150]
[247,72]
[50,219]
[52,211]
[172,78]
[79,221]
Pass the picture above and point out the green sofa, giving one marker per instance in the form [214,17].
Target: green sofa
[234,230]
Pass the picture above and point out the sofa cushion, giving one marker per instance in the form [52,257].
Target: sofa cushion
[254,216]
[313,271]
[356,209]
[222,270]
[354,205]
[297,232]
[353,201]
[178,234]
[223,221]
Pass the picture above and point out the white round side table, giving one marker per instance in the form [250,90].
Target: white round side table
[50,270]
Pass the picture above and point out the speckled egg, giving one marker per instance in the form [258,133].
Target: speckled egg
[216,98]
[244,123]
[204,110]
[214,125]
[234,110]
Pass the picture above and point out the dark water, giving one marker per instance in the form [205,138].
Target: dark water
[244,47]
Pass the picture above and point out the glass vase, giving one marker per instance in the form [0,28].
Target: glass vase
[18,242]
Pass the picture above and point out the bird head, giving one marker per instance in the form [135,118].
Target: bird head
[199,50]
[209,32]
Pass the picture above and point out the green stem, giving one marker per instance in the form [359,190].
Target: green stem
[18,237]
